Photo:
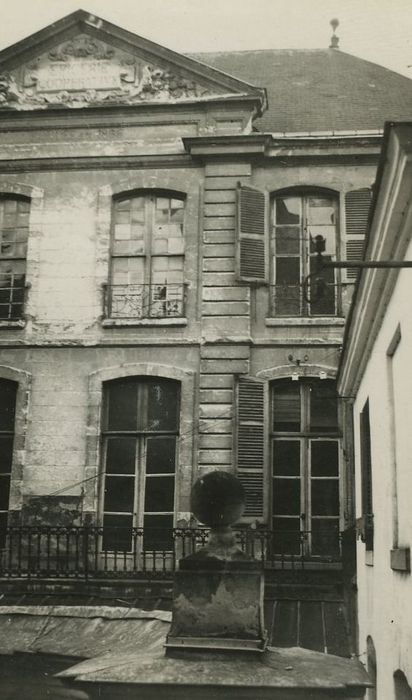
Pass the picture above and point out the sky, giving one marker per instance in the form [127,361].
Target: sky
[377,30]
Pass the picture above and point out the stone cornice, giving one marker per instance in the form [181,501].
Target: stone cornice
[291,149]
[118,162]
[241,144]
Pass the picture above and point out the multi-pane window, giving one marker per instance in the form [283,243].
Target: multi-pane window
[8,391]
[305,446]
[147,257]
[298,220]
[14,227]
[141,424]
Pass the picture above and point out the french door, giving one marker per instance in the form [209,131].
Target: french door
[141,417]
[305,469]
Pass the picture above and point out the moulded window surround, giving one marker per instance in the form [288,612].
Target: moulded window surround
[147,259]
[14,229]
[298,216]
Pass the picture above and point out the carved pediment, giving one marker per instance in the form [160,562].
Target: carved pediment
[86,71]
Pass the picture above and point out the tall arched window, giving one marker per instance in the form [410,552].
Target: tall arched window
[140,429]
[305,448]
[298,217]
[147,256]
[8,390]
[14,228]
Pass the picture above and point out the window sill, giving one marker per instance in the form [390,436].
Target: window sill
[401,559]
[8,324]
[304,321]
[139,322]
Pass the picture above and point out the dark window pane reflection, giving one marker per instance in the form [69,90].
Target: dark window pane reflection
[160,457]
[159,493]
[325,537]
[286,538]
[122,413]
[117,533]
[286,458]
[119,494]
[121,456]
[6,453]
[7,404]
[286,496]
[324,458]
[158,532]
[325,496]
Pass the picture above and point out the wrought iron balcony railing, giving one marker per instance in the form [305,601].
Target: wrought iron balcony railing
[294,300]
[82,552]
[145,300]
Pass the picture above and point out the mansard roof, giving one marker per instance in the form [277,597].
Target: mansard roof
[319,90]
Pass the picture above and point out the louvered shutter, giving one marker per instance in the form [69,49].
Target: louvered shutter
[252,235]
[251,444]
[357,204]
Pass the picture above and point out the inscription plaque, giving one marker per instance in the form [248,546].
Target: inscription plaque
[79,75]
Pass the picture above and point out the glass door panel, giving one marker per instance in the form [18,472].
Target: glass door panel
[324,497]
[286,496]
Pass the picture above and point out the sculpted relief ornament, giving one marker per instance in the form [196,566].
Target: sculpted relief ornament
[85,72]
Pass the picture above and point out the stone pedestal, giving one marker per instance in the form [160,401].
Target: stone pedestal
[218,604]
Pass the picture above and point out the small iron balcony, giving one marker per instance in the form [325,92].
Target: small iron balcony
[145,301]
[290,300]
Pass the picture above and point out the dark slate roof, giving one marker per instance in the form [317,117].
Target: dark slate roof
[319,90]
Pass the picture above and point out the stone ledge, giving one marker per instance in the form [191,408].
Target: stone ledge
[122,322]
[318,321]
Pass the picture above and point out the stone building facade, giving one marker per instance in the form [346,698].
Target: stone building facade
[157,320]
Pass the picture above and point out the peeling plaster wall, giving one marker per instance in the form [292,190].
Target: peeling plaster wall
[72,169]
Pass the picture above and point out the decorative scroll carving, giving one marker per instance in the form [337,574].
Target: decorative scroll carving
[9,92]
[82,47]
[85,71]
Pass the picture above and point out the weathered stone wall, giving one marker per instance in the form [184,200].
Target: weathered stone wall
[73,175]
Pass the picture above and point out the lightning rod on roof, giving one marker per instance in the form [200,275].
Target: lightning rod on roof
[334,40]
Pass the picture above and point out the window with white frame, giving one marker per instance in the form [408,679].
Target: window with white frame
[14,228]
[147,256]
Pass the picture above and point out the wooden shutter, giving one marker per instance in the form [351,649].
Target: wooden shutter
[357,205]
[252,235]
[251,444]
[366,476]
